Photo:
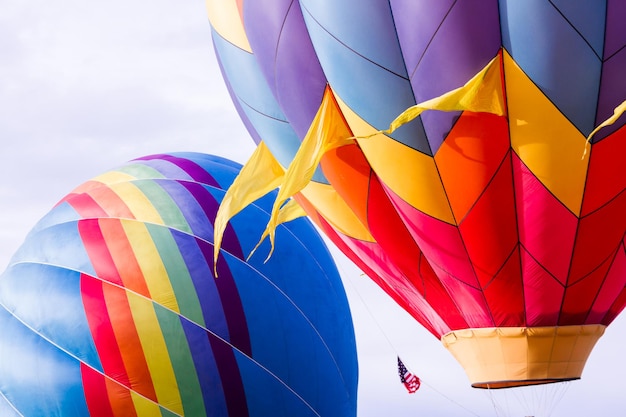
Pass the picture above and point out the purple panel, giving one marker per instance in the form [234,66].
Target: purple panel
[612,90]
[195,171]
[209,205]
[467,39]
[283,49]
[615,36]
[263,21]
[416,24]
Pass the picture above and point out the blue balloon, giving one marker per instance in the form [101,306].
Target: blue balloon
[110,306]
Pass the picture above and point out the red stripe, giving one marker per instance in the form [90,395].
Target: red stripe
[96,394]
[97,250]
[102,329]
[122,256]
[85,206]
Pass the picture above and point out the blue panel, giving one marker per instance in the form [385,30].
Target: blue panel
[6,408]
[266,396]
[222,170]
[297,330]
[35,376]
[554,56]
[364,26]
[48,298]
[63,213]
[246,78]
[588,17]
[57,245]
[374,93]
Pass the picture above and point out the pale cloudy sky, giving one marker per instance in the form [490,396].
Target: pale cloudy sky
[86,86]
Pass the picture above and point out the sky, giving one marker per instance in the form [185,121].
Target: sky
[86,86]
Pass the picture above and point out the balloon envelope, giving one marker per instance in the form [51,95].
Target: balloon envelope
[489,229]
[110,306]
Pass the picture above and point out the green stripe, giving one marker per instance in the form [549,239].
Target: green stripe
[140,171]
[182,362]
[180,278]
[164,204]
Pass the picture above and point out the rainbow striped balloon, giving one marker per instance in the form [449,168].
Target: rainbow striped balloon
[110,307]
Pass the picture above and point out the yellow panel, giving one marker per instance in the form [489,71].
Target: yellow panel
[144,407]
[113,177]
[155,352]
[226,20]
[137,202]
[410,174]
[544,139]
[150,263]
[335,210]
[516,356]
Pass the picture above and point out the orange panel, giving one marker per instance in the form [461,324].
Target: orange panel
[348,171]
[470,156]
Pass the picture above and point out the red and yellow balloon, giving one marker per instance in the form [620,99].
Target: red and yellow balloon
[494,217]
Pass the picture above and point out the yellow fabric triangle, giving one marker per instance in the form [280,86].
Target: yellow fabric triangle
[290,211]
[483,93]
[324,134]
[260,175]
[617,112]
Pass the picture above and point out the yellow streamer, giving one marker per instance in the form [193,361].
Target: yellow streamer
[290,211]
[323,136]
[483,93]
[617,112]
[260,175]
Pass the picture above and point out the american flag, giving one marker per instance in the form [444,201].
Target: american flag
[410,381]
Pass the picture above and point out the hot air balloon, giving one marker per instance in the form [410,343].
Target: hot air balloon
[110,306]
[470,159]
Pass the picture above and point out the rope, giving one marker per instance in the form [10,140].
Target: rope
[377,323]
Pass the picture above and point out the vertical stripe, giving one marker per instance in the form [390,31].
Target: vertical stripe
[206,368]
[204,283]
[126,326]
[111,203]
[85,206]
[182,361]
[164,204]
[112,177]
[195,171]
[102,328]
[165,168]
[210,205]
[144,407]
[192,206]
[97,250]
[233,308]
[150,263]
[230,377]
[96,395]
[122,257]
[120,398]
[153,344]
[138,204]
[184,290]
[139,171]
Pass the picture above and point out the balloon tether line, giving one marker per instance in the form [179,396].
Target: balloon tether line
[377,323]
